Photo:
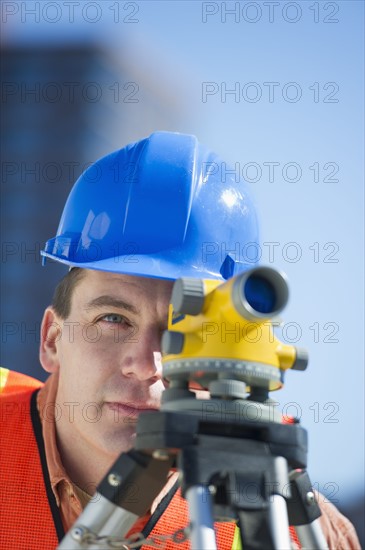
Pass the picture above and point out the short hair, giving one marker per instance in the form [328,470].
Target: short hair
[62,297]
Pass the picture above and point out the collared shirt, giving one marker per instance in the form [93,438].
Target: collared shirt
[71,500]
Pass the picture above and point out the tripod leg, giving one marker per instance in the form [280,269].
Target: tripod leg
[202,535]
[311,536]
[116,508]
[98,513]
[279,523]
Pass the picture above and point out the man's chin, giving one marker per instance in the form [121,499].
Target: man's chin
[116,442]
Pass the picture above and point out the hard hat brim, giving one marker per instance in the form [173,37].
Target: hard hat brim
[144,265]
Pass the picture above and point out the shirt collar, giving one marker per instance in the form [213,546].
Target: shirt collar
[48,411]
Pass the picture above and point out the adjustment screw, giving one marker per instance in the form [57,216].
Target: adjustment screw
[114,480]
[78,534]
[310,498]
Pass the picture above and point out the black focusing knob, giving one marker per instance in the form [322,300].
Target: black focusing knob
[172,342]
[188,296]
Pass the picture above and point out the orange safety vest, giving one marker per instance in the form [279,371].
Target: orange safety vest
[29,516]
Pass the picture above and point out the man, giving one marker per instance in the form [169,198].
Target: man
[134,222]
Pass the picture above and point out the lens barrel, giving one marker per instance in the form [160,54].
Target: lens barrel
[260,293]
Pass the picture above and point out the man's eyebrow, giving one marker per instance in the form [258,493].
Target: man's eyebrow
[110,301]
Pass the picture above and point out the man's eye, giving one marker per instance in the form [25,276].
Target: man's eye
[114,318]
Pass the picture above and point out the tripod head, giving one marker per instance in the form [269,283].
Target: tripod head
[220,336]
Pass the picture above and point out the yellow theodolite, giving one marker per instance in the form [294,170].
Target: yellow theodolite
[221,335]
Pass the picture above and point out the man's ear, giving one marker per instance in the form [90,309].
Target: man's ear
[51,332]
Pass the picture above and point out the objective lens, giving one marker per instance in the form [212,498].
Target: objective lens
[260,294]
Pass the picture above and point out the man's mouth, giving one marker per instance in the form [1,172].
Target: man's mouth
[132,410]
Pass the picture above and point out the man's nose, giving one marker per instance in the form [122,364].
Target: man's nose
[142,358]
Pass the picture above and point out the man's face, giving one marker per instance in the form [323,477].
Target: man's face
[108,356]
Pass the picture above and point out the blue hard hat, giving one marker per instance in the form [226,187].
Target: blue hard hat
[162,207]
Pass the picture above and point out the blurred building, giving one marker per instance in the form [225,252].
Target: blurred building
[63,106]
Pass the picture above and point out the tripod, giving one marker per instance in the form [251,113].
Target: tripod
[259,484]
[236,459]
